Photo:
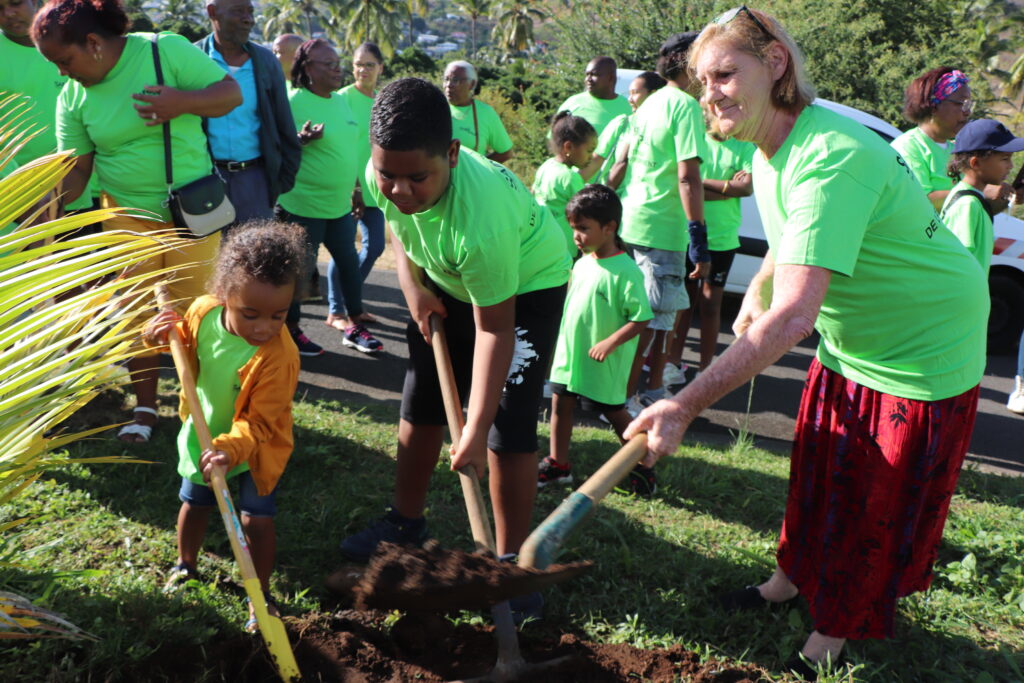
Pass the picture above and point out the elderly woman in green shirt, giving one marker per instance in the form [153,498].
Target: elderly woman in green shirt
[475,123]
[856,253]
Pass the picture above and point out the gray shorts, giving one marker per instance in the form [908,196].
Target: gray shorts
[664,278]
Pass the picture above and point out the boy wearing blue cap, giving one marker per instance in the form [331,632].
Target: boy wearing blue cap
[981,156]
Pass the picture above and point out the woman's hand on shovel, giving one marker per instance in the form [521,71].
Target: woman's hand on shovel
[665,422]
[211,459]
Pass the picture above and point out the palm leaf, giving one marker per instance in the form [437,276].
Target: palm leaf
[70,309]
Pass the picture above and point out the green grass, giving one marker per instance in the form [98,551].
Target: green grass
[105,536]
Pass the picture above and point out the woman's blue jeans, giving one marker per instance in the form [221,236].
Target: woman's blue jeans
[1020,356]
[338,235]
[372,227]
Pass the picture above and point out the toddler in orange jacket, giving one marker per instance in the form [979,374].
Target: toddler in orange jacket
[246,367]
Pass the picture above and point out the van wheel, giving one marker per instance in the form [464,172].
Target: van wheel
[1006,319]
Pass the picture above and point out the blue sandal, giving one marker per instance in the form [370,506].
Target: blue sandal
[251,624]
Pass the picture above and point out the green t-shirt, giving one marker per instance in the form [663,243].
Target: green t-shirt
[28,73]
[129,155]
[327,176]
[598,113]
[907,307]
[604,294]
[361,106]
[221,356]
[926,158]
[486,239]
[607,143]
[553,186]
[971,224]
[492,134]
[667,129]
[723,217]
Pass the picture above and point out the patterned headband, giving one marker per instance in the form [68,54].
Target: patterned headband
[947,85]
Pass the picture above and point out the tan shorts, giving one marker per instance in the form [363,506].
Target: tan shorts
[193,263]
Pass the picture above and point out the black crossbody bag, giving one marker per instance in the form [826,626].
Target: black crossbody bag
[201,207]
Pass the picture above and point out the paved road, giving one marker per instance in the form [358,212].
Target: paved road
[346,374]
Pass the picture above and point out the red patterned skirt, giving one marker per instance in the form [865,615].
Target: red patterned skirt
[870,483]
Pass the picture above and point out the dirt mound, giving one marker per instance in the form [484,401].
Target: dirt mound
[432,578]
[357,647]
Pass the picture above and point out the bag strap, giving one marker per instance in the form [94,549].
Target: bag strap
[969,193]
[168,171]
[476,128]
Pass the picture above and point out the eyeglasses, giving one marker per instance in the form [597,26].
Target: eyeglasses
[456,81]
[728,16]
[966,106]
[366,65]
[330,66]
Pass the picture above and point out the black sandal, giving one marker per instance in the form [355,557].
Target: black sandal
[749,598]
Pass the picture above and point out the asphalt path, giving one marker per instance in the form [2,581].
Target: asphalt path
[346,374]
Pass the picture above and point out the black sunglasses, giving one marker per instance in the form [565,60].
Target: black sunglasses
[728,16]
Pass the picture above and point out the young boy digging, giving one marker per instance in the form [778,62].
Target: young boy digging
[473,246]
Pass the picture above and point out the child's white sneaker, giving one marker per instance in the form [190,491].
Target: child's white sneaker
[1015,404]
[673,375]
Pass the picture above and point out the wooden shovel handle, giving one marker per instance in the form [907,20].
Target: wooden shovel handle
[479,520]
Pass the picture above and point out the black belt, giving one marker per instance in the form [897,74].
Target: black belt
[233,166]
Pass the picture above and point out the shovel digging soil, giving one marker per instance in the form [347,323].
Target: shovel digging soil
[435,579]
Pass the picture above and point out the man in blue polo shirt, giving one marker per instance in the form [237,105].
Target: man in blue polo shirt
[254,146]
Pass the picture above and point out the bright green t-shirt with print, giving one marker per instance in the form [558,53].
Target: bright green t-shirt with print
[28,73]
[607,143]
[129,155]
[604,294]
[361,107]
[553,186]
[486,239]
[970,222]
[598,113]
[667,129]
[926,158]
[221,356]
[327,175]
[723,217]
[486,135]
[907,307]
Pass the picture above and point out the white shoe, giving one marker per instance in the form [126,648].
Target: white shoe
[637,402]
[634,406]
[1016,402]
[673,375]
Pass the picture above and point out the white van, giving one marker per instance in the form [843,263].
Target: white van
[1006,277]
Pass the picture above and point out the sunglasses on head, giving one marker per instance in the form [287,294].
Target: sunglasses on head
[729,15]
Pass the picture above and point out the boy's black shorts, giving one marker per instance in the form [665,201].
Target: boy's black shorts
[721,264]
[538,315]
[588,404]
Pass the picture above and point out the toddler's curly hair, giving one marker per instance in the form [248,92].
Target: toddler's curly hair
[263,251]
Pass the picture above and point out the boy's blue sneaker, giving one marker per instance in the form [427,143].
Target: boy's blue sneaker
[529,606]
[524,607]
[392,527]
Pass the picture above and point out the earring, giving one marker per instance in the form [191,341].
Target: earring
[97,55]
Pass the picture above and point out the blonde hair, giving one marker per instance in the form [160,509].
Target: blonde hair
[793,91]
